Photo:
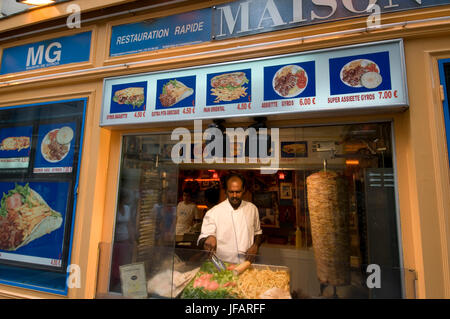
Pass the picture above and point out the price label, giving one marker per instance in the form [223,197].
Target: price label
[139,114]
[388,94]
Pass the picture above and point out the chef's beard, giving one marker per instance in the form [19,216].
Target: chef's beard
[235,202]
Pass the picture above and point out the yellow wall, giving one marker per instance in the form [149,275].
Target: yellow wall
[421,153]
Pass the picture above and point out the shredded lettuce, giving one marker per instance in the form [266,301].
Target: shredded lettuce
[24,191]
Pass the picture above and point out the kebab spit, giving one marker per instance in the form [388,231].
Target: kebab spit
[329,210]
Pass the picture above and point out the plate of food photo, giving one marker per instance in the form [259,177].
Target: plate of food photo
[290,81]
[361,73]
[56,144]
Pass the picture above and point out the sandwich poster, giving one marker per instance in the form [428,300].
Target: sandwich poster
[360,73]
[15,146]
[32,220]
[175,92]
[289,81]
[229,87]
[55,148]
[129,97]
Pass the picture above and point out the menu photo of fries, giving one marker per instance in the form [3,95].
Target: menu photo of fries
[230,86]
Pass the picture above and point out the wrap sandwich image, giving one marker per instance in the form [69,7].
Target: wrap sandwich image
[24,217]
[132,95]
[173,92]
[229,86]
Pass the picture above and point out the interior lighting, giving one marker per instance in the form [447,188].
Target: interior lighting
[36,2]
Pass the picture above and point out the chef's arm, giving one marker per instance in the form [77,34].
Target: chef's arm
[253,250]
[208,243]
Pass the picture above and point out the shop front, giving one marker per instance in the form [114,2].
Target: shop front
[338,137]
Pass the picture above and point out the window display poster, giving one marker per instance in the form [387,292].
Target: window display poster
[360,73]
[55,148]
[129,97]
[175,93]
[32,222]
[15,146]
[289,81]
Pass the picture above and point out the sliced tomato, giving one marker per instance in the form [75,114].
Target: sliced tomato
[301,79]
[13,201]
[212,285]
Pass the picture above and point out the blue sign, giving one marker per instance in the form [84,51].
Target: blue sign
[229,87]
[182,29]
[48,246]
[175,93]
[71,49]
[290,81]
[360,73]
[129,97]
[55,148]
[15,146]
[244,17]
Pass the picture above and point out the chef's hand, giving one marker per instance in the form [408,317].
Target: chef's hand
[210,243]
[251,253]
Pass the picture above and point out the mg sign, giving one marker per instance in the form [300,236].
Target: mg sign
[59,51]
[35,58]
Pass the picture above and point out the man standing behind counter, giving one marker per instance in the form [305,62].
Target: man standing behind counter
[232,227]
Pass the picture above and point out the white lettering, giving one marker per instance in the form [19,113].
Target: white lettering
[374,20]
[274,15]
[56,53]
[374,279]
[328,3]
[184,146]
[74,278]
[33,59]
[349,5]
[231,21]
[297,11]
[74,19]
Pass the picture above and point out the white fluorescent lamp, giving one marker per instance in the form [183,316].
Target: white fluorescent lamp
[36,2]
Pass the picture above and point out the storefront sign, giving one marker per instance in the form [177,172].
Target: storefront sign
[361,77]
[245,17]
[187,28]
[64,50]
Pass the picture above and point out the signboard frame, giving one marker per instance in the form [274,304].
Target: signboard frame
[327,104]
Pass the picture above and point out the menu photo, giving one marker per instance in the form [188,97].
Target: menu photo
[15,146]
[289,81]
[175,92]
[128,97]
[32,222]
[360,73]
[229,87]
[55,148]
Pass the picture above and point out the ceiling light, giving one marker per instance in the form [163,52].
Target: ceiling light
[36,2]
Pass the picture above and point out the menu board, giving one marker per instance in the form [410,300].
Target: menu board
[39,166]
[15,146]
[37,238]
[360,77]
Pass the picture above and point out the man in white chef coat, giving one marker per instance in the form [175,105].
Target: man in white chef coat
[232,228]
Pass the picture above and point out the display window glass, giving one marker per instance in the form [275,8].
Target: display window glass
[40,149]
[326,214]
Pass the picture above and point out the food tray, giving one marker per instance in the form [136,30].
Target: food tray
[273,268]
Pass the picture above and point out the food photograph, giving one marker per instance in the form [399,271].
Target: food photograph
[230,87]
[173,92]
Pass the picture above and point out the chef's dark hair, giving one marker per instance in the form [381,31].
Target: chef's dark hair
[232,175]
